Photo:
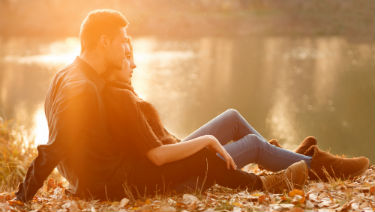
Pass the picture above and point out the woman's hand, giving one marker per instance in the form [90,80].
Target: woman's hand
[217,147]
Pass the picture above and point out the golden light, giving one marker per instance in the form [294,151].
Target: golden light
[40,127]
[58,53]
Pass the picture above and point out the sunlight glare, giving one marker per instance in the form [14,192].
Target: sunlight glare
[40,128]
[58,53]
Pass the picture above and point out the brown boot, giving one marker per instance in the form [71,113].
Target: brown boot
[294,177]
[325,166]
[306,144]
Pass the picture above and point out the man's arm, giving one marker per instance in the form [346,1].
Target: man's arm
[47,159]
[70,114]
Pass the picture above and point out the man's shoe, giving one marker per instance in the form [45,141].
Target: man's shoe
[294,177]
[325,166]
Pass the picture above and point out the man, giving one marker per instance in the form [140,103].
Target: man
[79,143]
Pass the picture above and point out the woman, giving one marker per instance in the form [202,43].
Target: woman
[157,160]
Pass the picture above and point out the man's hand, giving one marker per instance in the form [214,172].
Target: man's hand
[217,147]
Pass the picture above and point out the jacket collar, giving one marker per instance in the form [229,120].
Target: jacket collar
[90,72]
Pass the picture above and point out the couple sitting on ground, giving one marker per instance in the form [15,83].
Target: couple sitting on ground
[109,143]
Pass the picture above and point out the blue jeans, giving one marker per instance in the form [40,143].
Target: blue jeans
[248,146]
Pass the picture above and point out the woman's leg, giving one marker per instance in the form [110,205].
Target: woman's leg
[254,149]
[250,146]
[228,126]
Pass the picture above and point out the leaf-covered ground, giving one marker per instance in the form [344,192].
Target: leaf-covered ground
[350,195]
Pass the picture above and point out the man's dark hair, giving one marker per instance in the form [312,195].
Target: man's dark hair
[100,22]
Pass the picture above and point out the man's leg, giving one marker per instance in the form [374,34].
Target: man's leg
[210,169]
[201,169]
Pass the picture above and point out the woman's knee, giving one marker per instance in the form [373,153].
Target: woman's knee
[232,112]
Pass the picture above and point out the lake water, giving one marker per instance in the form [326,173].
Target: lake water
[286,87]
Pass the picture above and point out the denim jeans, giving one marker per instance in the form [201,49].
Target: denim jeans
[248,146]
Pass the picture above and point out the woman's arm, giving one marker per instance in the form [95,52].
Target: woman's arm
[173,152]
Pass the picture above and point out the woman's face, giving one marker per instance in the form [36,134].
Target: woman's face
[126,73]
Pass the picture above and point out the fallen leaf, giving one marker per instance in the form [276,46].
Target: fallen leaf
[189,199]
[296,210]
[297,199]
[372,190]
[263,199]
[313,197]
[309,204]
[294,192]
[51,184]
[145,208]
[287,205]
[123,202]
[171,202]
[6,197]
[237,204]
[236,209]
[15,203]
[166,208]
[325,202]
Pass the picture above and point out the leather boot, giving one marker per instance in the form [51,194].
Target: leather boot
[294,177]
[325,166]
[306,144]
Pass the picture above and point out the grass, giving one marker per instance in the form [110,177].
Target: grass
[14,156]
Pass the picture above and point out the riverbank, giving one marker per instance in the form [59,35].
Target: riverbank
[336,195]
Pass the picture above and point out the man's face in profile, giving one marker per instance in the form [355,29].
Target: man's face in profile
[117,50]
